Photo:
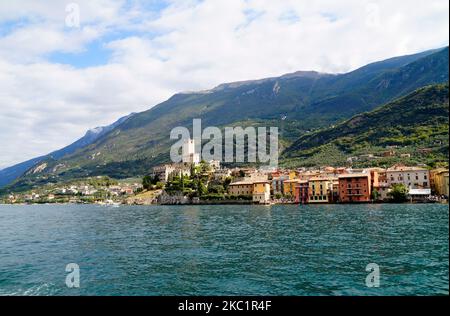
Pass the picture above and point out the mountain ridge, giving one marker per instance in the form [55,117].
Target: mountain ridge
[306,102]
[9,174]
[419,119]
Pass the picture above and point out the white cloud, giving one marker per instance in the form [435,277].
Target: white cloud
[189,45]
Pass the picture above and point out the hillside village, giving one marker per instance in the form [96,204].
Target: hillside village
[199,182]
[305,186]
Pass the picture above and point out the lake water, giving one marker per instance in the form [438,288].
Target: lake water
[224,250]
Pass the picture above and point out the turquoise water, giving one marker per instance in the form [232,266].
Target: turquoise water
[224,250]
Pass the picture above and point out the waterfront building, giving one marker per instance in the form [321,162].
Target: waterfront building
[320,190]
[419,195]
[411,177]
[439,181]
[261,192]
[278,184]
[289,187]
[355,187]
[383,190]
[241,188]
[302,192]
[334,196]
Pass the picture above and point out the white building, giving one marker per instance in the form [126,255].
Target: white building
[164,172]
[222,174]
[189,154]
[411,177]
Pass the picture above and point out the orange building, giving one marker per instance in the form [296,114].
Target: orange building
[355,187]
[302,192]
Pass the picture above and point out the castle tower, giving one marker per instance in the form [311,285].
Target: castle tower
[189,154]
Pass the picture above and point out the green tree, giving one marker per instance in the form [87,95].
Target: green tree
[375,195]
[226,183]
[147,182]
[399,193]
[218,189]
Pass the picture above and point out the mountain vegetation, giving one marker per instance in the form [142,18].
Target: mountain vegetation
[415,125]
[301,104]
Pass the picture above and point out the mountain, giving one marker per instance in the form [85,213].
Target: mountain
[418,120]
[297,103]
[10,174]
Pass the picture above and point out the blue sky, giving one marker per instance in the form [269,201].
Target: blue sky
[128,55]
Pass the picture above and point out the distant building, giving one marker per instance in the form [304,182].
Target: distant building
[241,188]
[419,195]
[388,153]
[189,153]
[278,184]
[355,187]
[261,192]
[165,172]
[320,190]
[439,181]
[383,192]
[411,177]
[302,192]
[222,174]
[289,187]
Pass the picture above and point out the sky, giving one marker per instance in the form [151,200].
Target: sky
[66,67]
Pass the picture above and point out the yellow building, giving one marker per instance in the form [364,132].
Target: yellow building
[289,187]
[320,190]
[241,188]
[439,181]
[261,192]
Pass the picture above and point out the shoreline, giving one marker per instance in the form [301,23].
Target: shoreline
[225,203]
